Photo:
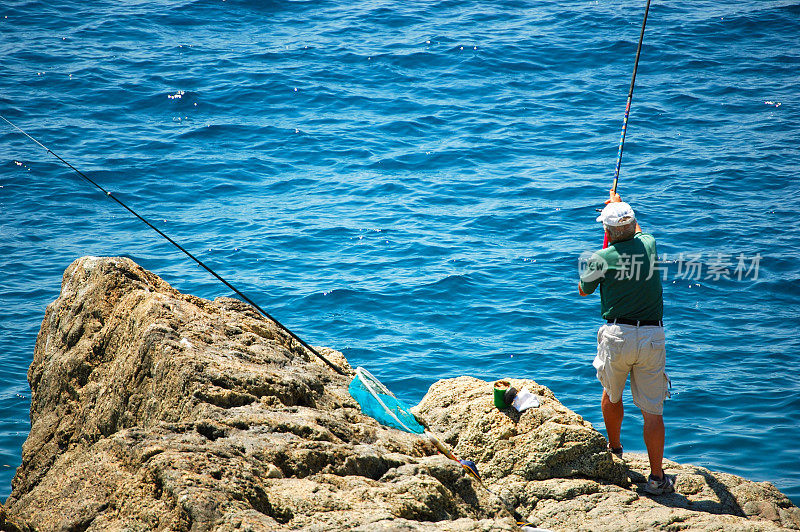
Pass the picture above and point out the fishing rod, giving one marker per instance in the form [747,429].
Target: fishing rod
[628,107]
[630,97]
[187,253]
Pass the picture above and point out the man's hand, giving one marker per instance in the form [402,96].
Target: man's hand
[613,197]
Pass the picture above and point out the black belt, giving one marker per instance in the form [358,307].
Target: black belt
[638,323]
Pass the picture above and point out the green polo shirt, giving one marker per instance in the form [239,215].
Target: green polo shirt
[629,279]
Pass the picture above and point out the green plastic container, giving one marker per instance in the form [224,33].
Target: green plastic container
[500,388]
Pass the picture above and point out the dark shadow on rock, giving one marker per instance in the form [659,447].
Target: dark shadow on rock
[512,414]
[725,505]
[727,501]
[635,477]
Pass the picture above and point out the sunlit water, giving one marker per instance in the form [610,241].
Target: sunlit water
[412,182]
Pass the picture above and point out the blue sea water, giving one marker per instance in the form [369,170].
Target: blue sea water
[412,183]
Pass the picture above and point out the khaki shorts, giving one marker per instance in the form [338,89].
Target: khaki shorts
[640,352]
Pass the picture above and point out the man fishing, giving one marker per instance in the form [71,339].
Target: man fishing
[632,339]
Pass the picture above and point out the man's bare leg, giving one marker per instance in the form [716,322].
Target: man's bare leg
[654,440]
[612,415]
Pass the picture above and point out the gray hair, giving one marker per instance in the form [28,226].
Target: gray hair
[621,232]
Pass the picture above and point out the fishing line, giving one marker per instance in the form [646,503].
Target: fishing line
[187,253]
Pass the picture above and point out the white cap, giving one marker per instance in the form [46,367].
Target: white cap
[616,214]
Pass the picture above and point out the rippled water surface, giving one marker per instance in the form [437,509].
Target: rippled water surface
[411,183]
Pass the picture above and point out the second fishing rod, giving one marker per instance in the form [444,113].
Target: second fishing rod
[181,248]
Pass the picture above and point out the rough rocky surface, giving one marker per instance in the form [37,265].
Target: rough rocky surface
[552,466]
[543,443]
[156,410]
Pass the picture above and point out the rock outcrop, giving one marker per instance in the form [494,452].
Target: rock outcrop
[552,466]
[156,410]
